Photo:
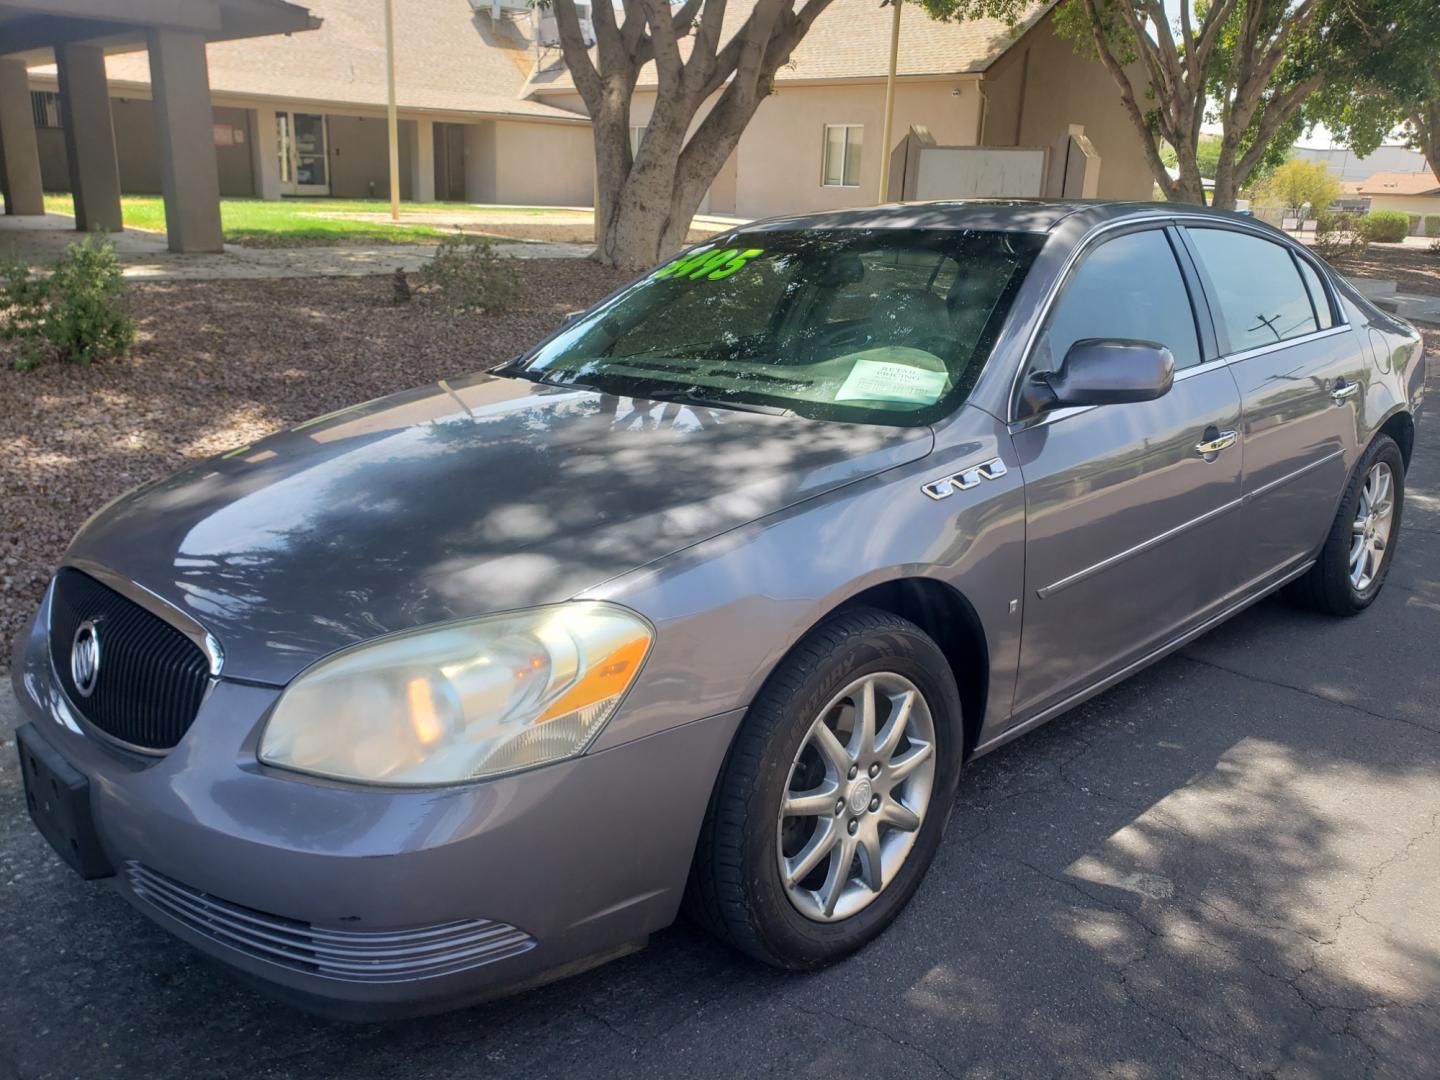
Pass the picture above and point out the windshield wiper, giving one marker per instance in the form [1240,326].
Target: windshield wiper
[688,395]
[511,371]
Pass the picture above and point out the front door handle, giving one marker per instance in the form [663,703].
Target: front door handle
[1344,389]
[1215,441]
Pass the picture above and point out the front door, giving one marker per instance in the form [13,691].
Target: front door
[301,142]
[1301,376]
[1130,519]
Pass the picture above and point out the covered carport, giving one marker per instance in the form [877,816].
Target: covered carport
[76,36]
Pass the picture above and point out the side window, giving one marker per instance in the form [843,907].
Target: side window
[1318,296]
[1129,287]
[1257,288]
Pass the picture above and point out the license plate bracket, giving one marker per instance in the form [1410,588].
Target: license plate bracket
[58,798]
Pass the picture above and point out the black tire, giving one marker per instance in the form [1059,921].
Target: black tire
[735,889]
[1327,586]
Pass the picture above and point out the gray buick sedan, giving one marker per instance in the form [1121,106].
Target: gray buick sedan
[707,600]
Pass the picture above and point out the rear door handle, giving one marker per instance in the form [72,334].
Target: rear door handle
[1215,441]
[1343,390]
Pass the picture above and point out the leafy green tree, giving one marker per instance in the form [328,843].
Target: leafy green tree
[1252,67]
[1207,155]
[647,198]
[1300,183]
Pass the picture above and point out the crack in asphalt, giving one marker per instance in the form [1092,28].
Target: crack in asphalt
[1374,873]
[1318,1009]
[1201,661]
[887,1035]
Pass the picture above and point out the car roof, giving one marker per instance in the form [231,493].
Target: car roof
[1000,215]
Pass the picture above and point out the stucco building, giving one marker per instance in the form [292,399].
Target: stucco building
[1413,193]
[290,101]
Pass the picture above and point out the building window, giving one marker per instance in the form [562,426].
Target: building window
[45,104]
[636,134]
[842,155]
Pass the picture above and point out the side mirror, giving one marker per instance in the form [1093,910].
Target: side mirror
[1099,371]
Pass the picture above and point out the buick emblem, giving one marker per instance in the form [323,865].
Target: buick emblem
[85,657]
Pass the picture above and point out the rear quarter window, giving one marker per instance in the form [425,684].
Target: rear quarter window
[1257,287]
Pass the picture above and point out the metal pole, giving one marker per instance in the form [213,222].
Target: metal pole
[889,102]
[391,120]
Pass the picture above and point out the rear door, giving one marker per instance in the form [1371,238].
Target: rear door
[1301,374]
[1130,525]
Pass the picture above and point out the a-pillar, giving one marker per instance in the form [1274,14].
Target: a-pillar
[185,127]
[89,137]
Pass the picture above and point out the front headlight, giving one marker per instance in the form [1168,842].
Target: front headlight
[463,701]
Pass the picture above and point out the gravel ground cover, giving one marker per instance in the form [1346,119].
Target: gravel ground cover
[1414,270]
[218,365]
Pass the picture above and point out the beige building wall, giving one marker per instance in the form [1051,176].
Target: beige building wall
[1423,205]
[781,154]
[137,151]
[529,163]
[1041,85]
[359,158]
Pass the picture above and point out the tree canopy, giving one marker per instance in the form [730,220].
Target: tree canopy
[1260,70]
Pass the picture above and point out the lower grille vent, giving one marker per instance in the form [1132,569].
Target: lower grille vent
[353,956]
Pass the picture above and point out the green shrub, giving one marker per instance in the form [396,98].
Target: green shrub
[76,314]
[1432,226]
[467,274]
[1339,237]
[1387,226]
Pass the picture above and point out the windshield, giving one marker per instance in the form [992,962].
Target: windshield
[887,326]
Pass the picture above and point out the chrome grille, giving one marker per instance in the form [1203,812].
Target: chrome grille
[150,678]
[350,955]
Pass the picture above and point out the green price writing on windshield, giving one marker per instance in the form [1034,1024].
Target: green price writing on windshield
[711,265]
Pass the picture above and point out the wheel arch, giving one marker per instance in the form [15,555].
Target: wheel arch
[1400,426]
[950,620]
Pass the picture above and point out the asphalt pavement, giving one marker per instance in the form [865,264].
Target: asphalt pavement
[1226,866]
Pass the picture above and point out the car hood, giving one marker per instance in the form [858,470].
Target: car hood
[456,499]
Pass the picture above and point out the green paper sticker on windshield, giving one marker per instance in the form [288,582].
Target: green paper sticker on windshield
[710,265]
[874,380]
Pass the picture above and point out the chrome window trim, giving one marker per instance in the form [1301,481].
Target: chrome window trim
[1162,220]
[1261,350]
[157,606]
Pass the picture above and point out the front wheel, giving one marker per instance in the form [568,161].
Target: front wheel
[1357,554]
[833,800]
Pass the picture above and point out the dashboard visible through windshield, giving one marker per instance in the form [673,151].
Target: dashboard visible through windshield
[888,326]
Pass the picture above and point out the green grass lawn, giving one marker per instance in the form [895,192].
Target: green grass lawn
[287,223]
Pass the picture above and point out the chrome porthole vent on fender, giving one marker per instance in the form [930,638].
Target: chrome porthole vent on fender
[946,486]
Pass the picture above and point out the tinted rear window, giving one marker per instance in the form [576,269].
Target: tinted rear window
[1258,289]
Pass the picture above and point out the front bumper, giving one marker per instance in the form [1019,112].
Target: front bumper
[522,878]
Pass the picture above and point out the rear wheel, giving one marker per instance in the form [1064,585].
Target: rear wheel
[1357,554]
[834,798]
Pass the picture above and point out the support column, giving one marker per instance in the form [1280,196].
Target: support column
[23,191]
[185,126]
[89,138]
[265,154]
[422,162]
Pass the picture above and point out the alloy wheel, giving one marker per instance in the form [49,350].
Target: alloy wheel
[1370,531]
[856,796]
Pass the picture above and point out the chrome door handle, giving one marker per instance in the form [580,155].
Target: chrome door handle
[1344,390]
[1222,441]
